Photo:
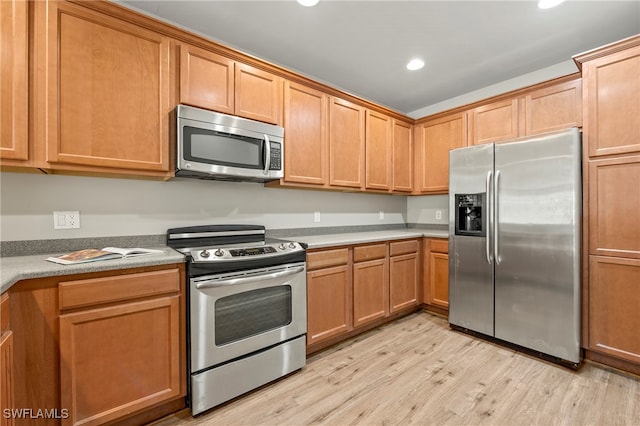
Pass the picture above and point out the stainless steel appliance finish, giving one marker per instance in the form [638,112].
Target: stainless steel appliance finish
[211,145]
[247,310]
[517,277]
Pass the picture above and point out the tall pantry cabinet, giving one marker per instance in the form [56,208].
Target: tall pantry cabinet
[611,105]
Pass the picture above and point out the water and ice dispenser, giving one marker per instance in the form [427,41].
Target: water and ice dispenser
[470,214]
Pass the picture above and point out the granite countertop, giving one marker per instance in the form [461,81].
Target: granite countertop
[16,268]
[329,240]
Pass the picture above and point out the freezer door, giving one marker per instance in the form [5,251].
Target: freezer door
[470,267]
[537,272]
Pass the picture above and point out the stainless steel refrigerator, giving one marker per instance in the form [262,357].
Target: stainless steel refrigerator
[514,242]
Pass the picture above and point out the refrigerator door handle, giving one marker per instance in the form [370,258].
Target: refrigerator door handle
[489,214]
[496,219]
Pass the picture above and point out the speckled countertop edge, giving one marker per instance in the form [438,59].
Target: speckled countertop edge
[331,240]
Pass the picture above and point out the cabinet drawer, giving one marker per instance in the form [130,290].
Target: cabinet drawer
[376,251]
[403,247]
[439,246]
[327,258]
[93,291]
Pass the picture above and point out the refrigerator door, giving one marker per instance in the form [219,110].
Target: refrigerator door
[537,272]
[470,263]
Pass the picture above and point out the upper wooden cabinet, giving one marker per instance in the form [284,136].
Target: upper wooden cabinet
[378,149]
[13,80]
[206,79]
[494,122]
[611,79]
[306,128]
[434,139]
[346,144]
[402,157]
[552,108]
[212,81]
[102,92]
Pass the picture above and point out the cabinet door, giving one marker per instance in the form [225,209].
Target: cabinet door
[306,124]
[377,150]
[206,79]
[328,303]
[553,108]
[346,144]
[13,80]
[495,122]
[614,203]
[119,359]
[370,291]
[258,94]
[614,307]
[439,279]
[612,103]
[436,139]
[6,362]
[403,277]
[104,90]
[402,155]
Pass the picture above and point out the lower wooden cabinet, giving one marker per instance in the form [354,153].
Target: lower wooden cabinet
[6,363]
[354,288]
[614,307]
[436,276]
[106,347]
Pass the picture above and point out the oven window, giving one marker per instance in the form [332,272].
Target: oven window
[224,149]
[250,313]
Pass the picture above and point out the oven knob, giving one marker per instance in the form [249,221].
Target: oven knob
[282,246]
[204,253]
[292,245]
[219,253]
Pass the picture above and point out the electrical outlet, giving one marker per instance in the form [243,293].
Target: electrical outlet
[66,220]
[381,215]
[316,217]
[438,214]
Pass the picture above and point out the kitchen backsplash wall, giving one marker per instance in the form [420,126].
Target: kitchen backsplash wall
[428,209]
[117,207]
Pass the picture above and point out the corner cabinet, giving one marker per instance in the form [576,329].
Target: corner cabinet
[102,92]
[436,275]
[105,347]
[611,295]
[14,72]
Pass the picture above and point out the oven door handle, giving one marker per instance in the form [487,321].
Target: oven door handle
[250,279]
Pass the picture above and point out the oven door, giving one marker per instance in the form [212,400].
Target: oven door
[236,314]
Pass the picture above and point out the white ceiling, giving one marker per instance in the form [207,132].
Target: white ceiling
[362,47]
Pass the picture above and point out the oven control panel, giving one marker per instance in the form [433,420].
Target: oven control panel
[217,254]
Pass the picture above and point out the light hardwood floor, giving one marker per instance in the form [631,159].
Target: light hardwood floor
[418,371]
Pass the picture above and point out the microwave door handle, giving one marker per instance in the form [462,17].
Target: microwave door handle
[267,153]
[252,279]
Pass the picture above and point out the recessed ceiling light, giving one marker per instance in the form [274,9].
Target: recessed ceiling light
[308,3]
[415,64]
[548,4]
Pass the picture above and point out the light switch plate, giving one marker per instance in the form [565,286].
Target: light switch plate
[316,217]
[66,220]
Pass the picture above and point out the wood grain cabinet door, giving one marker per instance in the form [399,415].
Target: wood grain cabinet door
[614,206]
[378,139]
[119,359]
[346,144]
[403,281]
[402,157]
[612,102]
[495,122]
[103,91]
[206,79]
[258,94]
[306,123]
[370,291]
[13,79]
[614,306]
[553,108]
[436,138]
[6,363]
[328,303]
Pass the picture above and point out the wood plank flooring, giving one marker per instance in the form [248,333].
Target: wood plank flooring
[418,371]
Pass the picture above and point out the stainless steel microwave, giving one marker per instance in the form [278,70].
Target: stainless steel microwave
[212,145]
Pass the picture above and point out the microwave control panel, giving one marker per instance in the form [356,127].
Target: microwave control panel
[276,156]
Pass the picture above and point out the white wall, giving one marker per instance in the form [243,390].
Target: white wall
[423,209]
[117,207]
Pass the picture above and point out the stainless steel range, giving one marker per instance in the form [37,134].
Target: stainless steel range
[247,310]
